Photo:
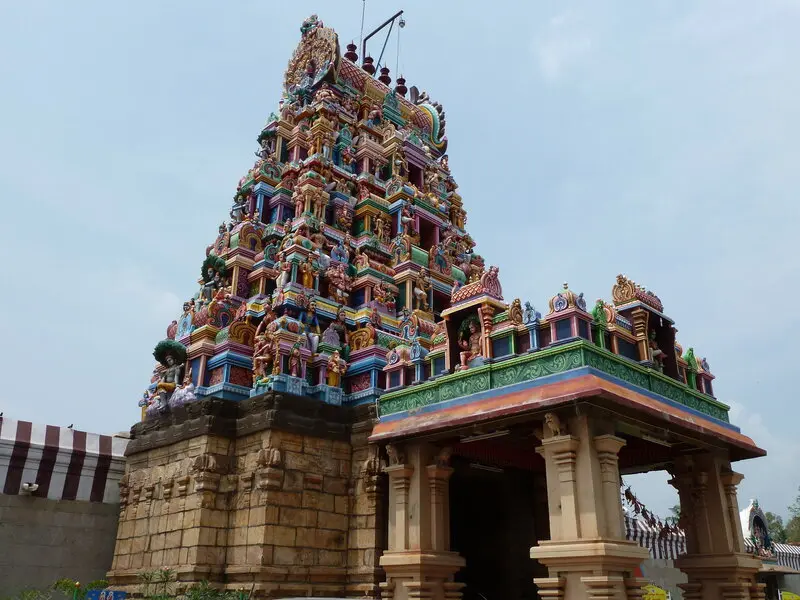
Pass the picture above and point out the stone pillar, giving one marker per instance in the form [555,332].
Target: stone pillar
[418,563]
[715,564]
[587,555]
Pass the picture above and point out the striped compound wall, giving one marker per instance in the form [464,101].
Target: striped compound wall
[64,463]
[66,527]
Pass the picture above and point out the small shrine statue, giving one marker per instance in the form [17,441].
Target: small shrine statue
[472,346]
[421,288]
[340,327]
[172,356]
[311,322]
[361,260]
[530,314]
[299,203]
[295,365]
[307,272]
[407,219]
[656,354]
[380,229]
[264,354]
[213,283]
[336,367]
[284,273]
[185,393]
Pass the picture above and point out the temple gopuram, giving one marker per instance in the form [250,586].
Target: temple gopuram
[348,406]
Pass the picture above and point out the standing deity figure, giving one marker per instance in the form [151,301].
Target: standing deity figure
[421,288]
[380,229]
[318,202]
[472,346]
[294,361]
[407,219]
[335,369]
[284,273]
[307,271]
[311,322]
[340,327]
[263,355]
[299,203]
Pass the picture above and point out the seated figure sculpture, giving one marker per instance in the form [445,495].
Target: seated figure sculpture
[473,344]
[172,356]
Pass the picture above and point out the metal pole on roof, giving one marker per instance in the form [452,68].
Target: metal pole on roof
[376,30]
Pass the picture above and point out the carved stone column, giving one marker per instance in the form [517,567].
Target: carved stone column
[715,564]
[438,479]
[608,447]
[587,555]
[417,563]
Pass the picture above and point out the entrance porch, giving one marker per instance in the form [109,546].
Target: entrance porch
[518,494]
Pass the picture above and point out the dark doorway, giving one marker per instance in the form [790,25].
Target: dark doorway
[493,523]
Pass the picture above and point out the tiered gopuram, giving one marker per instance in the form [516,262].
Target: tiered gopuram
[347,352]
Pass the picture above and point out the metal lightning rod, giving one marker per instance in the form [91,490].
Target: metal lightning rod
[388,21]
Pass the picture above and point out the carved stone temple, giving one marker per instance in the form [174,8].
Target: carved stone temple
[348,406]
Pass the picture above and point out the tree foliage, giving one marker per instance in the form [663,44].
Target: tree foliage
[775,527]
[793,525]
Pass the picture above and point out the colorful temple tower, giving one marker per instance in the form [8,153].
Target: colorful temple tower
[348,353]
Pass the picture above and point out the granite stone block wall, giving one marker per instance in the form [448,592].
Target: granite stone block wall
[42,540]
[279,510]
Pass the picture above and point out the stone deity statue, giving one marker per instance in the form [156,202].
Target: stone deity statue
[472,346]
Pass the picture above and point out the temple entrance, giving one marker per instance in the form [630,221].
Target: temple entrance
[496,515]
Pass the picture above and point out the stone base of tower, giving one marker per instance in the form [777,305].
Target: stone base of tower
[279,494]
[589,569]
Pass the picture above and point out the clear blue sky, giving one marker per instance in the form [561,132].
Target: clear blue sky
[658,139]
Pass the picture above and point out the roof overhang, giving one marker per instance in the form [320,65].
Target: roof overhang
[584,385]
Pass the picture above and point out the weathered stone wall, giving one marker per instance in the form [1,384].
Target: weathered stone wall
[278,494]
[43,540]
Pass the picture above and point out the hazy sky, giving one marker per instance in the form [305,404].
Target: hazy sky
[658,139]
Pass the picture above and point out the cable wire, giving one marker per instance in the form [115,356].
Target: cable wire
[363,10]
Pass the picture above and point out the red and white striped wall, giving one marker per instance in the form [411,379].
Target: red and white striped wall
[64,463]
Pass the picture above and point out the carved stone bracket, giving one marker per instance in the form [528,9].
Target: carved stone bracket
[269,478]
[634,587]
[603,587]
[551,588]
[167,487]
[183,485]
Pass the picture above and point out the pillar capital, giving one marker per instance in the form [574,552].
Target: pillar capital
[609,444]
[399,471]
[439,472]
[731,478]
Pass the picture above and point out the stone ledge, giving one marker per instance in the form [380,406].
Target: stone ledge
[231,419]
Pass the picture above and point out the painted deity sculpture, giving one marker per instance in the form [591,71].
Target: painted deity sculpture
[295,365]
[307,272]
[471,343]
[656,354]
[340,327]
[335,369]
[422,287]
[284,273]
[311,322]
[185,393]
[172,356]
